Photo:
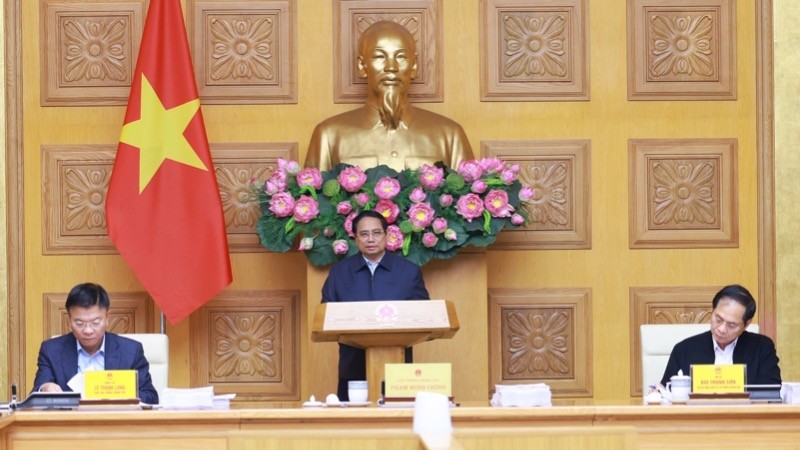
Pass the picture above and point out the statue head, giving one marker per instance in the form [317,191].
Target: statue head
[387,58]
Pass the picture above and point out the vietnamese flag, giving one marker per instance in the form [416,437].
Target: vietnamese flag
[163,208]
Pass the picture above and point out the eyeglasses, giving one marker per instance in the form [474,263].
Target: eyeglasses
[365,235]
[81,325]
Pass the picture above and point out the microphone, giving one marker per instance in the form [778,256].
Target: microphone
[13,403]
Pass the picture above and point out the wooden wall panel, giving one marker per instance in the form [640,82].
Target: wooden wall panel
[130,312]
[682,50]
[534,50]
[248,343]
[77,177]
[245,52]
[683,193]
[559,171]
[664,305]
[541,335]
[90,51]
[423,18]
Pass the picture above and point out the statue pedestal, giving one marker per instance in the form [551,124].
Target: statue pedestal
[461,280]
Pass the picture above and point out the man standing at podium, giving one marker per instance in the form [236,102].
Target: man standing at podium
[372,274]
[89,347]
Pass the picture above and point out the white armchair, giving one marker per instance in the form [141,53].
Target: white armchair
[657,343]
[156,350]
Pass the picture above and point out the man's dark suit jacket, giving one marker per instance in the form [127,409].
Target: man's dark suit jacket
[396,278]
[755,350]
[58,362]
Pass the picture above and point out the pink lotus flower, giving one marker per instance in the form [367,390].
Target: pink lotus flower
[310,176]
[439,225]
[508,177]
[305,209]
[525,194]
[388,209]
[431,176]
[517,220]
[290,167]
[421,215]
[429,239]
[446,200]
[344,208]
[394,238]
[478,187]
[282,204]
[417,195]
[352,179]
[348,224]
[327,232]
[450,234]
[492,165]
[340,246]
[469,206]
[387,188]
[306,244]
[497,204]
[362,199]
[471,170]
[276,182]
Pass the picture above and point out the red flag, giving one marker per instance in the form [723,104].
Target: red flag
[163,209]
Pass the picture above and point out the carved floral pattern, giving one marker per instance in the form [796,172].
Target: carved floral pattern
[242,48]
[534,46]
[684,193]
[239,208]
[86,198]
[537,343]
[549,203]
[95,49]
[681,45]
[681,316]
[245,345]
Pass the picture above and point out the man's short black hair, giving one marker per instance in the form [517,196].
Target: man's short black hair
[370,213]
[87,295]
[740,295]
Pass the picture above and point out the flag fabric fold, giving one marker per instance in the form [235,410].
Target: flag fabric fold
[163,207]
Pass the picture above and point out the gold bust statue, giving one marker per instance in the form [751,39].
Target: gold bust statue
[387,129]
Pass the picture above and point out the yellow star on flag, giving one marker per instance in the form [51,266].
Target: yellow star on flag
[158,134]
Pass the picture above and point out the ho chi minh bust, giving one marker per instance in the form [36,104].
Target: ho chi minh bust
[388,129]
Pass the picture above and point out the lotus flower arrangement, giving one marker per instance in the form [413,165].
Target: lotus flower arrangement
[432,211]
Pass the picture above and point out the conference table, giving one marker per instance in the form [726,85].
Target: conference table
[611,425]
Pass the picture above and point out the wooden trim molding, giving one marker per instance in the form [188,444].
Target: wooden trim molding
[542,335]
[683,193]
[15,237]
[765,153]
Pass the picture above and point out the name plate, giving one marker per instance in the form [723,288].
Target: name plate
[405,380]
[713,379]
[110,384]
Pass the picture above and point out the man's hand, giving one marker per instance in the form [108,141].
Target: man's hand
[50,387]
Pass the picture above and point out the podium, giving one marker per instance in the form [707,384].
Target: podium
[384,329]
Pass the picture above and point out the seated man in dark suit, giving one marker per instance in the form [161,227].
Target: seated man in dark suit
[727,342]
[372,274]
[89,347]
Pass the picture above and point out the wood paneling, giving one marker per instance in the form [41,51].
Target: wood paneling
[542,335]
[245,52]
[664,305]
[559,171]
[682,50]
[534,50]
[247,342]
[683,193]
[423,18]
[93,48]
